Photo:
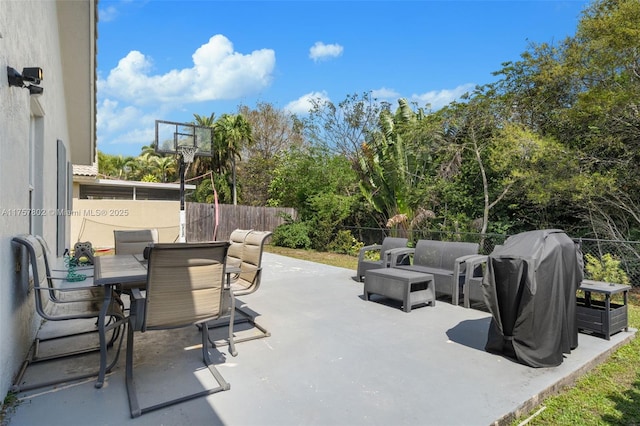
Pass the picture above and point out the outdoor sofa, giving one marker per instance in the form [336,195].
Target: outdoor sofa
[445,260]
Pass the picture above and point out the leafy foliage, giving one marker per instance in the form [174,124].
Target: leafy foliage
[291,235]
[345,243]
[606,269]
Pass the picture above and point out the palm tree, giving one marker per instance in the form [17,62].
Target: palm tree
[233,131]
[121,166]
[165,166]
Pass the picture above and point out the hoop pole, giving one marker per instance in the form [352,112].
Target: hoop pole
[182,238]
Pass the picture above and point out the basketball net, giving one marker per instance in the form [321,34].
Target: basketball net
[188,153]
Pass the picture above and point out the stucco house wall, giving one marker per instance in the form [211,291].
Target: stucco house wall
[95,220]
[34,130]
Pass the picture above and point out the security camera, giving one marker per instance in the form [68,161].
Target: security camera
[32,74]
[35,90]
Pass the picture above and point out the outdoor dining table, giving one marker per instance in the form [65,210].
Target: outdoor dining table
[111,271]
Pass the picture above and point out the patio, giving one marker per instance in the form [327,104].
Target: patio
[332,359]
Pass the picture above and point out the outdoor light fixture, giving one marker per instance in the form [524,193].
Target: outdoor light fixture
[30,75]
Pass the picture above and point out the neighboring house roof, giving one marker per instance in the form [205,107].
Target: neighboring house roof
[81,170]
[132,183]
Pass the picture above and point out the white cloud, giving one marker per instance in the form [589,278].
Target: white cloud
[113,120]
[440,98]
[321,51]
[107,14]
[303,104]
[218,72]
[385,94]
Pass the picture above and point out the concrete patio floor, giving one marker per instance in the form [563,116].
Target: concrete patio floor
[332,359]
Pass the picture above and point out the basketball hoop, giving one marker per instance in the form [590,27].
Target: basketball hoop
[187,140]
[188,153]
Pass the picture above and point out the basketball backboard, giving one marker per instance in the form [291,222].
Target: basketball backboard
[171,136]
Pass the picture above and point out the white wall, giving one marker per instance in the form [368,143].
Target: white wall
[28,38]
[95,220]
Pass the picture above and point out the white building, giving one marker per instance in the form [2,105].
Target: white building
[41,135]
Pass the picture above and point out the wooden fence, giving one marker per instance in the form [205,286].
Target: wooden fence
[201,220]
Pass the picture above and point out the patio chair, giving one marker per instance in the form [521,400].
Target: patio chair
[185,287]
[248,280]
[383,250]
[236,239]
[84,276]
[57,299]
[134,241]
[56,267]
[251,263]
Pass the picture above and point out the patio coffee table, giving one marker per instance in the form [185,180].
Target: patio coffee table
[409,287]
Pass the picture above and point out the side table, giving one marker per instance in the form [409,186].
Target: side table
[409,287]
[602,317]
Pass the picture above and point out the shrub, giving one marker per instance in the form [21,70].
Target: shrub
[345,243]
[606,269]
[291,235]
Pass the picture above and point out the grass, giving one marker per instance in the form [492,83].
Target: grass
[334,259]
[607,395]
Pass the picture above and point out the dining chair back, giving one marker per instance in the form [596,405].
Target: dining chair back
[134,241]
[236,240]
[251,265]
[185,286]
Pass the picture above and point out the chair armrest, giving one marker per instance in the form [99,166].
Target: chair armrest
[66,285]
[136,309]
[459,269]
[365,249]
[469,259]
[472,263]
[397,254]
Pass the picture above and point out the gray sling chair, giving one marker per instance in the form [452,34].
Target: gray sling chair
[133,242]
[57,299]
[62,272]
[236,239]
[383,250]
[248,257]
[185,287]
[60,268]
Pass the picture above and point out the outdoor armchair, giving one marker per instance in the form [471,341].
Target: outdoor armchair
[472,289]
[57,299]
[365,264]
[185,287]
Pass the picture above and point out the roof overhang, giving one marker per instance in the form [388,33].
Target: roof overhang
[77,27]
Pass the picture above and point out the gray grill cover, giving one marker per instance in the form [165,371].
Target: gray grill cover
[530,289]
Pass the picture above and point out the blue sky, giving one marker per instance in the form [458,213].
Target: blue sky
[166,60]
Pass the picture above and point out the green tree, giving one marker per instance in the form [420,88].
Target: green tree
[320,185]
[233,132]
[273,132]
[343,128]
